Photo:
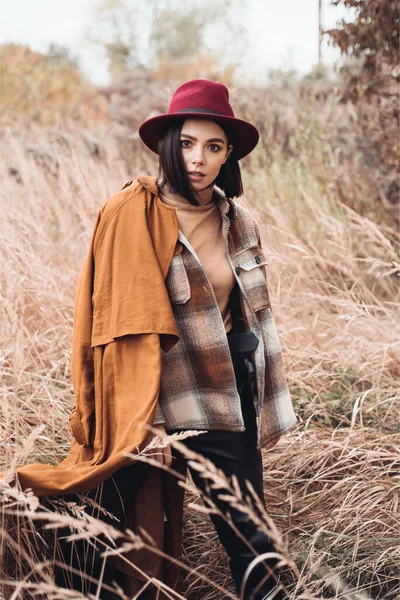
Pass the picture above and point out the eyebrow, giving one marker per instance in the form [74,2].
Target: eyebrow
[210,140]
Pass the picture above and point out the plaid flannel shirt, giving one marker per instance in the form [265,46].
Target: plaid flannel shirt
[198,386]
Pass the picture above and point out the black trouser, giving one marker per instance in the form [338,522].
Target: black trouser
[236,453]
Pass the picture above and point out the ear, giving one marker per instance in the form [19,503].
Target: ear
[230,148]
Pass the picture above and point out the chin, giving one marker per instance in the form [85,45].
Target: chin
[202,185]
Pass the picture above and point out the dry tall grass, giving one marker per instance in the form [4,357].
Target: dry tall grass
[333,275]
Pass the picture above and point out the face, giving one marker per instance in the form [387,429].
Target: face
[205,149]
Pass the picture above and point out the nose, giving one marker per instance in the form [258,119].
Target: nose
[198,157]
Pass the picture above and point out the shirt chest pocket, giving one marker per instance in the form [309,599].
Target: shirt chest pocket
[177,280]
[250,269]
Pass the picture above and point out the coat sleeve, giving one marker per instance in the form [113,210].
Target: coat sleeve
[82,367]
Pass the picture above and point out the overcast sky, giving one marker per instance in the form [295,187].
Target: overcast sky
[283,33]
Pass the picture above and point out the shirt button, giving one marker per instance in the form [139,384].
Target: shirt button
[237,270]
[258,259]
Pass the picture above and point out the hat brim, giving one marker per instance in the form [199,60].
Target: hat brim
[247,136]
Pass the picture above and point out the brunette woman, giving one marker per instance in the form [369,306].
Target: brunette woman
[225,375]
[176,261]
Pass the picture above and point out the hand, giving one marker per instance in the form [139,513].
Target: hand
[273,442]
[162,455]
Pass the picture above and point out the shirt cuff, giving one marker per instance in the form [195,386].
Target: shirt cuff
[158,416]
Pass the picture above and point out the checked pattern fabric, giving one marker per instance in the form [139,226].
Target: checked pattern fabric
[198,387]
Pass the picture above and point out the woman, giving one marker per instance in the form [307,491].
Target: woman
[173,328]
[225,374]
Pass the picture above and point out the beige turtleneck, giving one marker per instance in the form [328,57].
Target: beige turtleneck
[202,226]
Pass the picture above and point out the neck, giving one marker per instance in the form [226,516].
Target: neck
[205,196]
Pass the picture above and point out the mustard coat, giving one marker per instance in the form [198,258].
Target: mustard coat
[123,318]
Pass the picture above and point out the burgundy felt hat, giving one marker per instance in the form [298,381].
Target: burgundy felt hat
[201,98]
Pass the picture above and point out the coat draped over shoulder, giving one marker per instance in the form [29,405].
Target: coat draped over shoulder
[123,318]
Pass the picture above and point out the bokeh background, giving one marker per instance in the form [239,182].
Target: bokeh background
[321,82]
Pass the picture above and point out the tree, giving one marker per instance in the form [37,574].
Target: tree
[61,56]
[46,88]
[114,28]
[372,39]
[371,81]
[150,34]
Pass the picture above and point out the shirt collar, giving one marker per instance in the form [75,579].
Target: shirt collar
[222,203]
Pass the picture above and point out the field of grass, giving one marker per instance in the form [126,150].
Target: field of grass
[330,484]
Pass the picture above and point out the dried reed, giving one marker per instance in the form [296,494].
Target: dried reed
[333,279]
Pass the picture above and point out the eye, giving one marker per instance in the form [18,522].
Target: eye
[214,148]
[185,143]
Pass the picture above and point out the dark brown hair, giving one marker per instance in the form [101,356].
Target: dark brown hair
[172,170]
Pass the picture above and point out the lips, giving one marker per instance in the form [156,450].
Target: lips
[196,175]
